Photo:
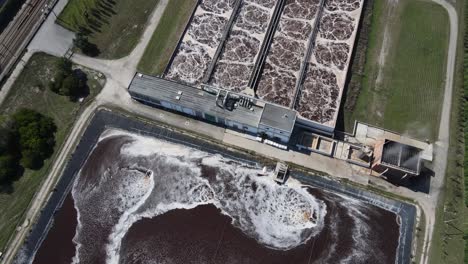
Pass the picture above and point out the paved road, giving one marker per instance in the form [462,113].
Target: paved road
[120,72]
[51,38]
[441,150]
[20,31]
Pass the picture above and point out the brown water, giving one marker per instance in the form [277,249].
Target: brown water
[200,208]
[59,247]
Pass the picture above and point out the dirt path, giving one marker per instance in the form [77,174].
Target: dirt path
[391,13]
[120,72]
[442,145]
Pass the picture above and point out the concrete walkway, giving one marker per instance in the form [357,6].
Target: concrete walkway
[119,74]
[314,161]
[50,38]
[430,204]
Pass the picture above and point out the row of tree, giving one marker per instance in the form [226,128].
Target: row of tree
[82,42]
[25,142]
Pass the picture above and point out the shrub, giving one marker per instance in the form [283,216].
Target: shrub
[66,81]
[35,134]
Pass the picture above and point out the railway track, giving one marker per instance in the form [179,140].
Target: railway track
[19,32]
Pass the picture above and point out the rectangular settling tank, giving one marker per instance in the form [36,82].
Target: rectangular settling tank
[321,91]
[243,46]
[198,46]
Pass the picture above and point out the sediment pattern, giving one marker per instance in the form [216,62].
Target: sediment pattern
[242,47]
[320,95]
[200,41]
[287,51]
[321,89]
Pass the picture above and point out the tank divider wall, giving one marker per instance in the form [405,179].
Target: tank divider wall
[310,48]
[258,68]
[176,48]
[224,37]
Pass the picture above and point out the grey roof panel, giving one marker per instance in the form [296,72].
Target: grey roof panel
[193,98]
[401,155]
[278,117]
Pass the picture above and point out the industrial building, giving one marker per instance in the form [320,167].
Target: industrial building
[222,107]
[293,54]
[396,159]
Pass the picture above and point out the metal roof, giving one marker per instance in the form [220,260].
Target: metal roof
[278,117]
[193,98]
[401,155]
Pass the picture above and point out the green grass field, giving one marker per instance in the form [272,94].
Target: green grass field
[408,97]
[448,245]
[31,91]
[115,25]
[165,37]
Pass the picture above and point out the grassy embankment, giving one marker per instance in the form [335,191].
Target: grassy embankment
[412,82]
[451,229]
[165,37]
[115,26]
[31,91]
[407,98]
[462,70]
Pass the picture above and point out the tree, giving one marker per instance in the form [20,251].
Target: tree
[72,86]
[8,168]
[36,137]
[64,69]
[81,41]
[64,66]
[68,82]
[9,154]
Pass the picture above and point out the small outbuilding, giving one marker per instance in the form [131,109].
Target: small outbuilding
[392,158]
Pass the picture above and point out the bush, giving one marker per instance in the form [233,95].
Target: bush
[9,154]
[35,134]
[66,81]
[81,41]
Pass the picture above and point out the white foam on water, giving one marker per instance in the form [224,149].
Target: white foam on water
[144,146]
[113,247]
[359,231]
[110,133]
[279,217]
[79,225]
[109,194]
